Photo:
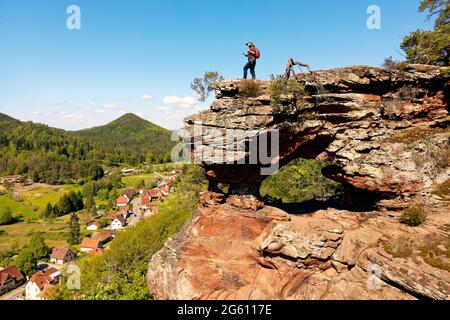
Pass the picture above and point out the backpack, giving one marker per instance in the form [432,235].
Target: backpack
[257,53]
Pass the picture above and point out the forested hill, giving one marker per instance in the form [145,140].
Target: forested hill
[130,139]
[53,155]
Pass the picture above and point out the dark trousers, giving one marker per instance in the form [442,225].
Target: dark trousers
[251,64]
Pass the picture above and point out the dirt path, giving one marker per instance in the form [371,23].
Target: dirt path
[21,188]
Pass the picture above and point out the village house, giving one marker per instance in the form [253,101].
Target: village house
[103,236]
[39,281]
[165,190]
[146,202]
[127,172]
[97,252]
[93,226]
[118,223]
[122,201]
[124,211]
[151,211]
[130,193]
[61,255]
[154,193]
[89,244]
[10,278]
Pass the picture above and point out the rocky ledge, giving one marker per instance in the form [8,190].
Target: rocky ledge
[386,134]
[384,131]
[229,252]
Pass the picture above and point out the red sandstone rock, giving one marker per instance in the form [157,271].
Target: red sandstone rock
[230,253]
[361,124]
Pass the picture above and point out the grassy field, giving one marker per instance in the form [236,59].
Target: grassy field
[40,196]
[157,170]
[18,208]
[54,231]
[132,181]
[26,202]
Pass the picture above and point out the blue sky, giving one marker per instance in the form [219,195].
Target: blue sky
[140,56]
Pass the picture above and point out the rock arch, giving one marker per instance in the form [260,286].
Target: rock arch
[374,125]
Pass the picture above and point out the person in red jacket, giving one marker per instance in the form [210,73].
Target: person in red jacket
[252,54]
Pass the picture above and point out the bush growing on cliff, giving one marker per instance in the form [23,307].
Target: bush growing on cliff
[391,64]
[204,85]
[280,88]
[301,180]
[120,273]
[443,190]
[414,215]
[250,89]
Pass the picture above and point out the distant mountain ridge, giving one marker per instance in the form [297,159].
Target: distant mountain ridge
[130,133]
[58,156]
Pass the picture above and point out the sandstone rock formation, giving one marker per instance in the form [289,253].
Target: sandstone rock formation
[386,134]
[383,130]
[230,253]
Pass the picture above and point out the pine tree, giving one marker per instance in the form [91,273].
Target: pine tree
[48,211]
[35,176]
[431,47]
[74,229]
[89,202]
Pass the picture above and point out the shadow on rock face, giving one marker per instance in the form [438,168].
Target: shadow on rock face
[309,207]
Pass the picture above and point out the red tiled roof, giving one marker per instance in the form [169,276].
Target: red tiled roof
[90,243]
[102,236]
[122,200]
[43,278]
[97,252]
[113,216]
[124,209]
[120,218]
[3,278]
[146,200]
[95,223]
[153,193]
[130,193]
[12,271]
[59,253]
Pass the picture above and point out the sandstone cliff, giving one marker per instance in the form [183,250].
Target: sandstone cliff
[386,134]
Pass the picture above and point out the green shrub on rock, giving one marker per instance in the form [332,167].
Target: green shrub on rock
[250,89]
[414,215]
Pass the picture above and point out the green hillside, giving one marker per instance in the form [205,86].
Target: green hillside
[130,139]
[57,156]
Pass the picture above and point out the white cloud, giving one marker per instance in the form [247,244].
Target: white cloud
[147,97]
[92,102]
[72,116]
[177,115]
[109,106]
[182,102]
[162,108]
[99,111]
[38,113]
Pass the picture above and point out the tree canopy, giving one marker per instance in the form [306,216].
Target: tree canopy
[431,47]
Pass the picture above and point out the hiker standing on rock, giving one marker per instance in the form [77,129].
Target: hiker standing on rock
[252,55]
